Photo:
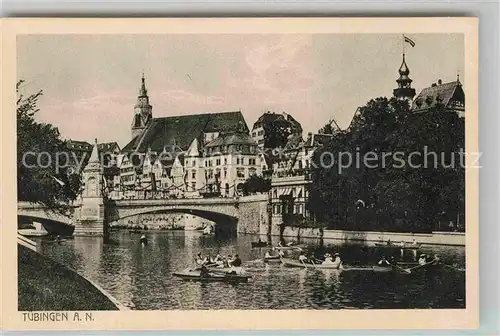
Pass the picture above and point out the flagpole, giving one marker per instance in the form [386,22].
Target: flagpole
[403,40]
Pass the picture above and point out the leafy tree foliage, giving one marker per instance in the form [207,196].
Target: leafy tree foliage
[276,133]
[256,184]
[38,145]
[327,129]
[405,173]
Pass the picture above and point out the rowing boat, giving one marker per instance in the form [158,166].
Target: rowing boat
[195,275]
[290,248]
[405,246]
[275,258]
[295,263]
[259,244]
[237,270]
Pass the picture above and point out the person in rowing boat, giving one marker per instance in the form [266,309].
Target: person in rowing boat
[384,262]
[303,258]
[236,265]
[414,242]
[268,254]
[236,261]
[337,259]
[328,259]
[218,259]
[422,260]
[199,259]
[389,241]
[281,253]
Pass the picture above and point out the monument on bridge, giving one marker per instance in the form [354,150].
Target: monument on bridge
[90,219]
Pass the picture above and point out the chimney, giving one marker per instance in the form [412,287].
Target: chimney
[440,82]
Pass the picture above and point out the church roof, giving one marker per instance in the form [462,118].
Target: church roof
[179,131]
[438,93]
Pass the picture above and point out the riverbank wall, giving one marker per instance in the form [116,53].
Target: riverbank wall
[45,285]
[434,238]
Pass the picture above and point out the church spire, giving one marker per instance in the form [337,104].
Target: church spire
[142,110]
[143,92]
[404,89]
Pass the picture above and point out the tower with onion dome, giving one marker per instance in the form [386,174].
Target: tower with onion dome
[404,91]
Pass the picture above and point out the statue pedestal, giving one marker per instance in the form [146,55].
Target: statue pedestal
[91,219]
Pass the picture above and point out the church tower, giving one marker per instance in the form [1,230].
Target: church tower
[142,111]
[404,90]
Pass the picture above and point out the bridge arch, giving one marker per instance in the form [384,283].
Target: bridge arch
[50,224]
[206,214]
[223,221]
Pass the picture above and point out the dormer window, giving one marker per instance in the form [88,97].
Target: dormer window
[418,102]
[428,100]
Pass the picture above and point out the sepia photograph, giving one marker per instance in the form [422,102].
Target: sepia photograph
[264,171]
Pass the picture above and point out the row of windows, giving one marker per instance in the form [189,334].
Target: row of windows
[227,148]
[239,161]
[280,208]
[258,133]
[240,173]
[127,170]
[128,178]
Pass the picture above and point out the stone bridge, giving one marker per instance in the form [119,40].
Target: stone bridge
[248,214]
[53,222]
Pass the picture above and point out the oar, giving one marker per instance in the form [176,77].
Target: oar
[454,268]
[407,271]
[303,263]
[312,261]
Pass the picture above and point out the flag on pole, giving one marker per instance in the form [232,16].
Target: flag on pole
[409,41]
[61,183]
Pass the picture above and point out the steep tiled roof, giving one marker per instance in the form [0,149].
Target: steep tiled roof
[438,93]
[269,117]
[179,131]
[130,146]
[79,145]
[108,146]
[232,139]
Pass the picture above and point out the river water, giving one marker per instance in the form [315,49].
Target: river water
[141,276]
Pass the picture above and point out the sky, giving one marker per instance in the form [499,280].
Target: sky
[91,82]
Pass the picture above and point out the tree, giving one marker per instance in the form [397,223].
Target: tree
[42,173]
[256,184]
[327,129]
[276,133]
[403,198]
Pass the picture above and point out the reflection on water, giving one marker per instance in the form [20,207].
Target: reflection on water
[141,276]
